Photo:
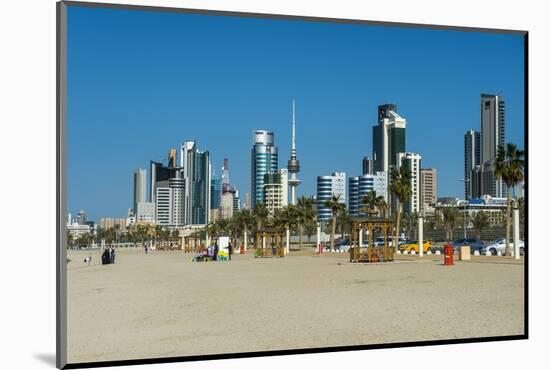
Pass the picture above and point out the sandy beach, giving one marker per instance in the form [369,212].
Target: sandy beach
[162,304]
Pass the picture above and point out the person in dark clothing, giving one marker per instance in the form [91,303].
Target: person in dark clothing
[230,250]
[216,249]
[106,257]
[113,254]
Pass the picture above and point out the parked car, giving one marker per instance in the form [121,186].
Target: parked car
[474,244]
[499,245]
[342,245]
[379,242]
[413,246]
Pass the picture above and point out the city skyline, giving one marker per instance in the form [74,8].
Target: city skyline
[337,90]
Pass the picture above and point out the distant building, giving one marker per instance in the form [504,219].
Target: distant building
[226,205]
[109,223]
[472,160]
[276,190]
[196,174]
[327,187]
[428,187]
[264,159]
[236,202]
[388,138]
[411,163]
[492,137]
[145,212]
[140,187]
[495,208]
[367,166]
[81,218]
[215,191]
[360,186]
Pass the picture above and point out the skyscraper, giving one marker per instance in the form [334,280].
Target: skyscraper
[196,174]
[492,137]
[360,186]
[367,166]
[428,187]
[472,158]
[328,186]
[388,138]
[293,163]
[140,188]
[263,159]
[411,163]
[215,191]
[276,190]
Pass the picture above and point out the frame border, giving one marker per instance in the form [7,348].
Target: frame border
[61,253]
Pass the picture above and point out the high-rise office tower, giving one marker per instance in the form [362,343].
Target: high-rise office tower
[236,202]
[428,187]
[411,163]
[360,186]
[172,157]
[196,173]
[276,190]
[388,138]
[328,186]
[492,137]
[472,158]
[160,174]
[367,166]
[140,188]
[293,163]
[225,172]
[215,191]
[264,159]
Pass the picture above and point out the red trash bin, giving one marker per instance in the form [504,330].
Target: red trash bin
[242,249]
[448,254]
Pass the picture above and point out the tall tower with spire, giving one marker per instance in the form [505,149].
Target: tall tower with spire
[293,163]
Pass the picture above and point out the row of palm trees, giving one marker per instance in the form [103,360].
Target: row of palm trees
[136,233]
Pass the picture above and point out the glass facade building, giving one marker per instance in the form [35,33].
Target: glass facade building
[264,159]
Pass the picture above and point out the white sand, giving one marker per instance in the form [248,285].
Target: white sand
[161,304]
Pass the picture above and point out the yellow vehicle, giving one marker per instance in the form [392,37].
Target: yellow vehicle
[413,246]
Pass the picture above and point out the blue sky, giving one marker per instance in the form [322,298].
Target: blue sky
[142,82]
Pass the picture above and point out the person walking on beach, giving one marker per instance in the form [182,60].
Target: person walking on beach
[216,249]
[230,250]
[113,254]
[145,248]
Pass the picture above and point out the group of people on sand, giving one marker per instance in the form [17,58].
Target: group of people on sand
[108,255]
[211,253]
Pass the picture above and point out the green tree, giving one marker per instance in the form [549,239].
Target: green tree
[304,214]
[336,206]
[400,187]
[261,215]
[371,203]
[343,222]
[509,167]
[449,218]
[480,220]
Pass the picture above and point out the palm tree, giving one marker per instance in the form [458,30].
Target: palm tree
[509,167]
[304,213]
[480,221]
[261,214]
[400,187]
[411,222]
[336,206]
[450,217]
[382,207]
[343,221]
[371,203]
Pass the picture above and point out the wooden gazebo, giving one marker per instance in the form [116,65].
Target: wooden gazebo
[269,242]
[371,253]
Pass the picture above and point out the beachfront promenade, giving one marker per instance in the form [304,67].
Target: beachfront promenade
[161,304]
